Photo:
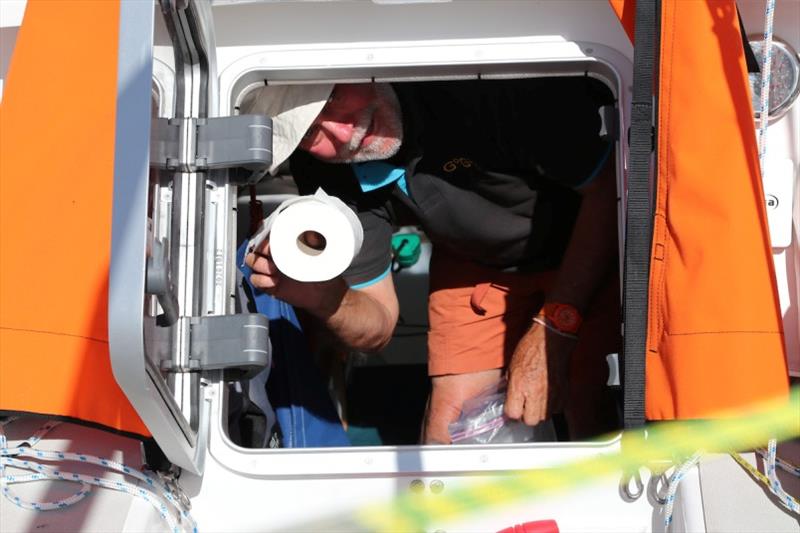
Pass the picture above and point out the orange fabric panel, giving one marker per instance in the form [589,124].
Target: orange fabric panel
[714,334]
[56,173]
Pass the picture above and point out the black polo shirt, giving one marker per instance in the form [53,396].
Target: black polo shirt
[487,168]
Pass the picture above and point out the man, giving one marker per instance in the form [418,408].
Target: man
[490,170]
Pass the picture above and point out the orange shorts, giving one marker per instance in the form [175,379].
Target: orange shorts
[477,315]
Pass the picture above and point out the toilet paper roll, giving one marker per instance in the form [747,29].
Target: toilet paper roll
[324,214]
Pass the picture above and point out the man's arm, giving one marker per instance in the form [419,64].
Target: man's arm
[362,319]
[540,364]
[592,246]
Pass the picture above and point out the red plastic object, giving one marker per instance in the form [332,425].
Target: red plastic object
[537,526]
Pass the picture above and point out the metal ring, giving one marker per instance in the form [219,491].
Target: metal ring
[625,486]
[653,488]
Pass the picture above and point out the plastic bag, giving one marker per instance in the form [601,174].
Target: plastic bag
[482,422]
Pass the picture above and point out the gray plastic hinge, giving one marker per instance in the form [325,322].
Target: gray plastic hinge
[190,145]
[164,143]
[173,144]
[159,282]
[231,342]
[240,141]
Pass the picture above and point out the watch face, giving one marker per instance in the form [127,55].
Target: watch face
[784,79]
[566,318]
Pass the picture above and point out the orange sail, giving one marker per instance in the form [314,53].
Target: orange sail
[715,337]
[56,172]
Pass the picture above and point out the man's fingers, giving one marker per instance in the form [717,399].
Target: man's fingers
[263,248]
[515,401]
[534,410]
[530,408]
[526,398]
[264,283]
[264,265]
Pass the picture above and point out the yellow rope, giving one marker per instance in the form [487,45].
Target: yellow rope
[665,441]
[787,500]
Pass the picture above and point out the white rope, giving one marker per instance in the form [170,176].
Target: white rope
[766,73]
[9,457]
[780,463]
[674,481]
[771,461]
[774,483]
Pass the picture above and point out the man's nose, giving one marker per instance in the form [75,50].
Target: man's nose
[339,131]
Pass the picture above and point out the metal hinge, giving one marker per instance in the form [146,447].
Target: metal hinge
[198,144]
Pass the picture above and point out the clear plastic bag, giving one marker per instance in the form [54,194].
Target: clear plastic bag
[482,422]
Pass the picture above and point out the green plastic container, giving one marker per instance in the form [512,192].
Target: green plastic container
[406,248]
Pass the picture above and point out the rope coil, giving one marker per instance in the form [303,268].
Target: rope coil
[155,492]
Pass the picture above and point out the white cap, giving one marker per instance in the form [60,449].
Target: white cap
[293,108]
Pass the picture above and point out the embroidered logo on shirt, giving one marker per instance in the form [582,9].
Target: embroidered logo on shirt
[457,162]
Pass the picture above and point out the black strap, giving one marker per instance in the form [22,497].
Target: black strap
[639,219]
[749,56]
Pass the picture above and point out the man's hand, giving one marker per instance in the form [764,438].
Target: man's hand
[537,375]
[321,299]
[362,319]
[448,394]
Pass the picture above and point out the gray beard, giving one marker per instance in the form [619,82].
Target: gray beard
[381,148]
[387,108]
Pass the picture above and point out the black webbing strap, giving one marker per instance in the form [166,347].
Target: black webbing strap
[749,56]
[639,217]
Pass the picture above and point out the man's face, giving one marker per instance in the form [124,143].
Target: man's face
[360,122]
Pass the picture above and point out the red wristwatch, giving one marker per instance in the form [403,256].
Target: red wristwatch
[563,317]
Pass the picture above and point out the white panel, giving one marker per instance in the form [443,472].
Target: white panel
[11,12]
[361,22]
[779,184]
[319,489]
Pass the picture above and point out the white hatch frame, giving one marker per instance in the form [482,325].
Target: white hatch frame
[505,58]
[168,401]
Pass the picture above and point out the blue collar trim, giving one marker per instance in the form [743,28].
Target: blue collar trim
[376,174]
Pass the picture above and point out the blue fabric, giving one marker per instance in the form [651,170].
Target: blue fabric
[295,388]
[376,174]
[373,281]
